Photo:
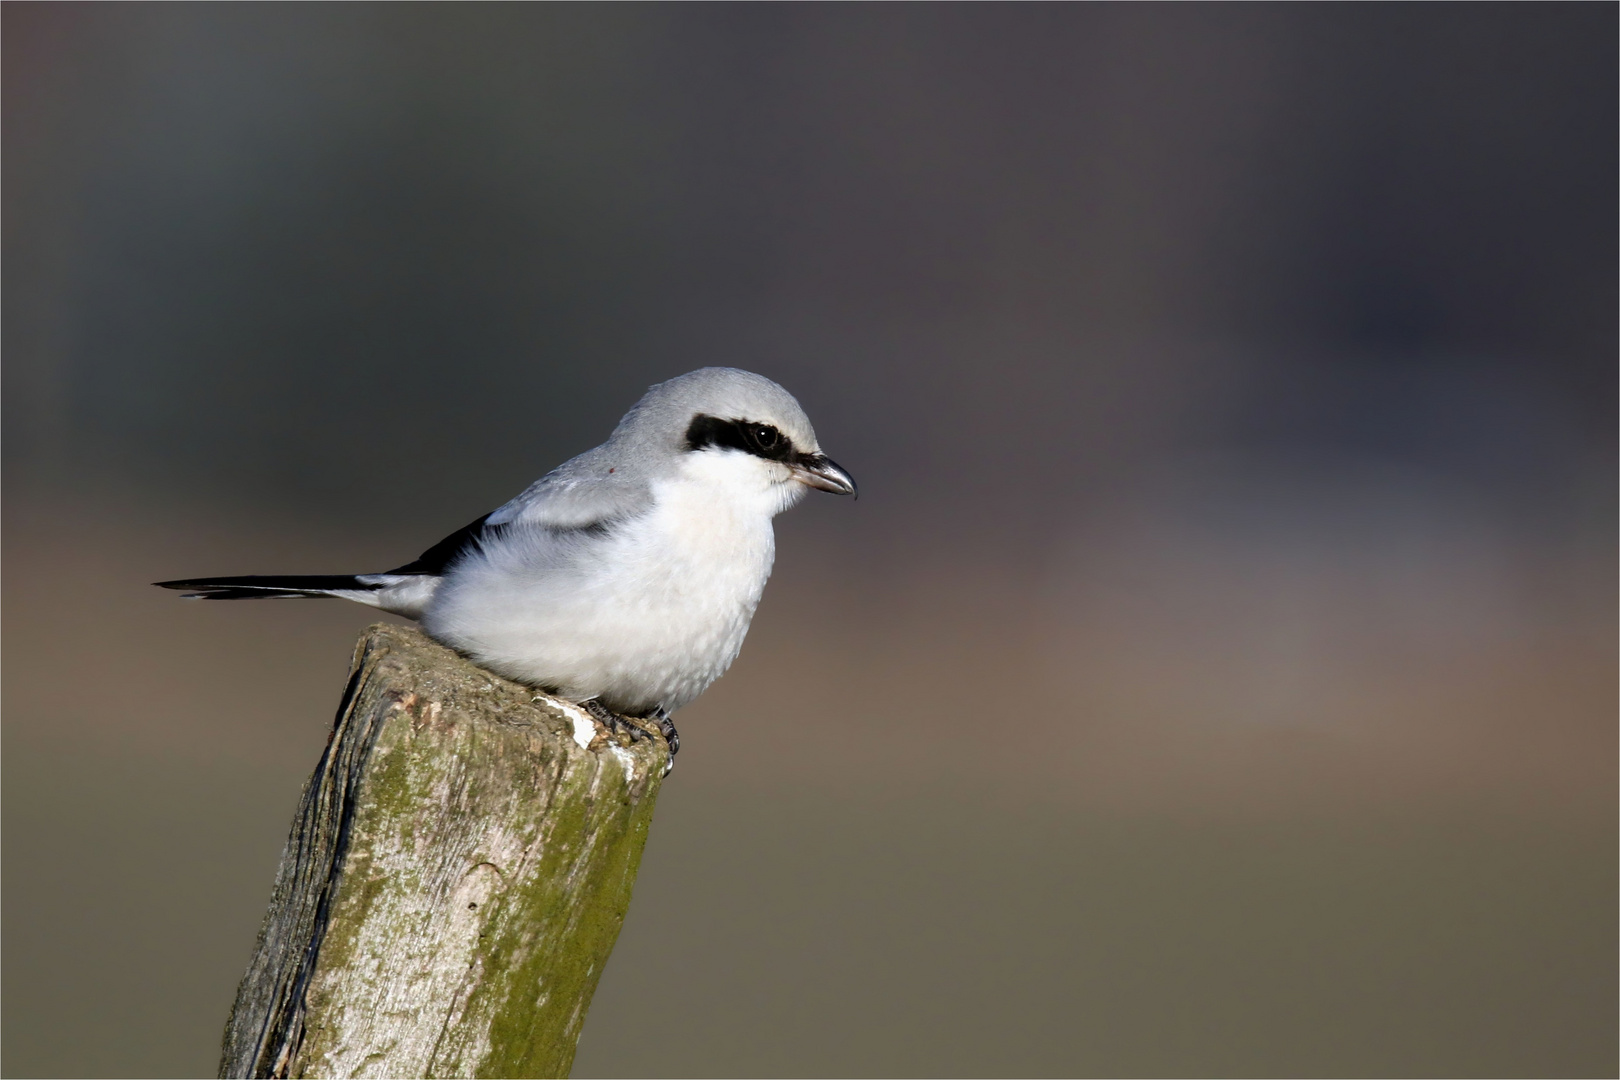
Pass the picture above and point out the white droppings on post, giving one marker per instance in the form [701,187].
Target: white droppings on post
[625,759]
[584,726]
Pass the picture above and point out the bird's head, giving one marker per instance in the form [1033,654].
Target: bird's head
[746,426]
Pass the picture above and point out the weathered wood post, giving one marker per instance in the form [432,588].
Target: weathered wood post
[455,879]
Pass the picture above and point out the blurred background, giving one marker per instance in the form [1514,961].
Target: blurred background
[1216,677]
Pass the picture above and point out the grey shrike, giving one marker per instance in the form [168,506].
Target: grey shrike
[624,579]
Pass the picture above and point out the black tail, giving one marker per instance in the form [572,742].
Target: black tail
[259,587]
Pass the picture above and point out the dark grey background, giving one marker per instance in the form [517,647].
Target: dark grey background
[1216,676]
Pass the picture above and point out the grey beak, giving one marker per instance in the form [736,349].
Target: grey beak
[821,471]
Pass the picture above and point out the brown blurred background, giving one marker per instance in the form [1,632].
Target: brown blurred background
[1216,677]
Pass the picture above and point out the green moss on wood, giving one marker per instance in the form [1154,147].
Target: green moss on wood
[486,872]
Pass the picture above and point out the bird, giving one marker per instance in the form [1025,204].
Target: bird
[625,579]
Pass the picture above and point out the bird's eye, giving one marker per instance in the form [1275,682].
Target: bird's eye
[766,436]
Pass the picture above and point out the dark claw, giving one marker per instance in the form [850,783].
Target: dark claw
[667,727]
[624,725]
[616,724]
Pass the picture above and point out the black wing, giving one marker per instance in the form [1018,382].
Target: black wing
[437,559]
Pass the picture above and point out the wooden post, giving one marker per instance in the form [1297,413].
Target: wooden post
[456,877]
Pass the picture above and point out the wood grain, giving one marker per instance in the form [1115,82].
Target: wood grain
[455,879]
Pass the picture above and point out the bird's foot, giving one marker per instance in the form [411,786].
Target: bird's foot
[630,727]
[616,725]
[666,727]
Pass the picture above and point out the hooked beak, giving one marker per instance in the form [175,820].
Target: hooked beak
[820,471]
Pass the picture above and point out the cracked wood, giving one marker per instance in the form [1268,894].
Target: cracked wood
[455,879]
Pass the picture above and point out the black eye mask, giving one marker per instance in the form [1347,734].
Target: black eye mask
[761,440]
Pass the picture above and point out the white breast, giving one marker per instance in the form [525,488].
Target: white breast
[646,616]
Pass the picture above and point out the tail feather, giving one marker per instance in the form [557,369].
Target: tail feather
[275,587]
